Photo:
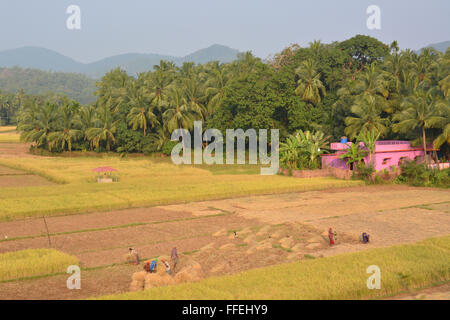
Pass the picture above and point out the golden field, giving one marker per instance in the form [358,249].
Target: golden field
[33,262]
[142,182]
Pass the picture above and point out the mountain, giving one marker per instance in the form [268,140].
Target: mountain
[440,46]
[215,52]
[48,60]
[38,58]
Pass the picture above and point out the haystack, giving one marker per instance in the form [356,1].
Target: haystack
[297,248]
[287,242]
[158,280]
[245,230]
[263,231]
[220,233]
[209,246]
[138,281]
[277,235]
[313,245]
[136,286]
[129,258]
[250,238]
[227,246]
[265,244]
[187,270]
[190,273]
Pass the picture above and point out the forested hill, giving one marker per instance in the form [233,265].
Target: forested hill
[133,63]
[38,82]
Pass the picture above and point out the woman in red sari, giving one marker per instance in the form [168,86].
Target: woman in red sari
[331,236]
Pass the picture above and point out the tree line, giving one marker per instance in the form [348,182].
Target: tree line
[353,87]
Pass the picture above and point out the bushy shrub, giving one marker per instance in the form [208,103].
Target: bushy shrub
[418,174]
[168,146]
[364,172]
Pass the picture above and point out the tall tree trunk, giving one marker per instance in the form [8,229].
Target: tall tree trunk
[424,144]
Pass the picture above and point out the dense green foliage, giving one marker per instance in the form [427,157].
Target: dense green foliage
[37,82]
[354,87]
[418,174]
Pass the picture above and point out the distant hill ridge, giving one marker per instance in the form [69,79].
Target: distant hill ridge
[440,46]
[49,60]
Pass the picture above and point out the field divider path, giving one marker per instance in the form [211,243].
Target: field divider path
[136,224]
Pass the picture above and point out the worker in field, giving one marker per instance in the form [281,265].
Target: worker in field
[134,254]
[365,237]
[153,265]
[331,236]
[167,265]
[174,257]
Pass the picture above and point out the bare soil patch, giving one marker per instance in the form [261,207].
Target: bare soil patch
[441,292]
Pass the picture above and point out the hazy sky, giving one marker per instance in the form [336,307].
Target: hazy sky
[179,27]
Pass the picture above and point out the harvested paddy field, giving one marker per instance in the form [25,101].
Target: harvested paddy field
[270,230]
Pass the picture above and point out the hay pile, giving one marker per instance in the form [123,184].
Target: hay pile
[187,270]
[287,242]
[138,281]
[129,258]
[221,233]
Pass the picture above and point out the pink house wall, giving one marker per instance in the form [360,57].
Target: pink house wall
[387,154]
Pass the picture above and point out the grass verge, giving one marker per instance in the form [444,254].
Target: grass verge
[33,263]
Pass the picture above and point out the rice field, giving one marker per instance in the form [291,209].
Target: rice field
[33,262]
[403,267]
[9,137]
[142,182]
[7,129]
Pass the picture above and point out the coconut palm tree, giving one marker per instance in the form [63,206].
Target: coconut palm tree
[65,132]
[141,112]
[217,79]
[367,118]
[37,123]
[85,119]
[105,129]
[309,86]
[178,113]
[420,111]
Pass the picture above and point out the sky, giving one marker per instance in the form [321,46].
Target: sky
[180,27]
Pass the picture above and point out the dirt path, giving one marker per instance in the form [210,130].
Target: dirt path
[441,292]
[270,229]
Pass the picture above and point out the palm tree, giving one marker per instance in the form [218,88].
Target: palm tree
[217,79]
[419,111]
[367,118]
[178,113]
[141,113]
[38,122]
[309,87]
[65,133]
[85,119]
[105,129]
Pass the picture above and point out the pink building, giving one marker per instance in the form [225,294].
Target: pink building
[387,153]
